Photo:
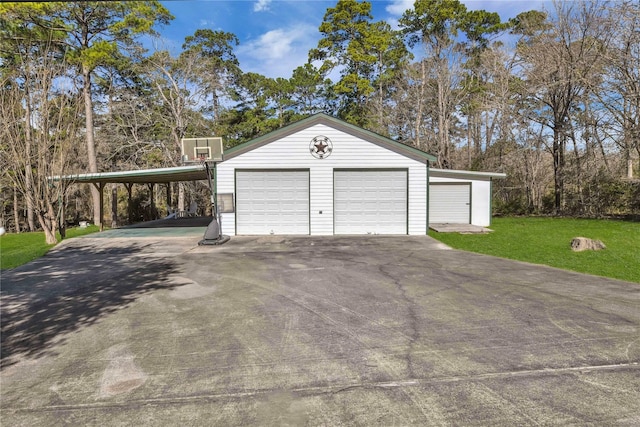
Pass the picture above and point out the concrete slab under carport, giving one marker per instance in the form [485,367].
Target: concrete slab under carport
[370,330]
[165,227]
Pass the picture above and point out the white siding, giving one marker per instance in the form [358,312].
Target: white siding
[349,152]
[481,203]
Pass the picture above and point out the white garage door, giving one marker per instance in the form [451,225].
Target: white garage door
[370,202]
[450,203]
[272,202]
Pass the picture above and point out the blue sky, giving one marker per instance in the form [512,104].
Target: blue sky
[276,35]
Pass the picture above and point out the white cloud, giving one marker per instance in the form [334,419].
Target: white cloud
[261,5]
[278,52]
[398,7]
[206,23]
[395,10]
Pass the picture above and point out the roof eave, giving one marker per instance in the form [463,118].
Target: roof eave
[468,174]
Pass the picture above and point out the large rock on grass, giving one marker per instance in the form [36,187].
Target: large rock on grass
[579,244]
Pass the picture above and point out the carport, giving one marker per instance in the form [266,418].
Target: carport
[150,177]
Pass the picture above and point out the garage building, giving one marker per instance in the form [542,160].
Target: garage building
[323,176]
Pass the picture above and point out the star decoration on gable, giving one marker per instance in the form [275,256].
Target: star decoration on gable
[320,147]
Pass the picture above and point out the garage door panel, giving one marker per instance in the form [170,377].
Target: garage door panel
[272,202]
[450,203]
[370,202]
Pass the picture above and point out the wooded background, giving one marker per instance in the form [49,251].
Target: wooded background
[551,98]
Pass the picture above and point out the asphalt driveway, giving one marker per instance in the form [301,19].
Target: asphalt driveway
[370,330]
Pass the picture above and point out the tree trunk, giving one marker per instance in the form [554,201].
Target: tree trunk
[90,138]
[28,140]
[180,196]
[152,202]
[16,212]
[443,81]
[169,202]
[62,221]
[50,236]
[129,200]
[441,130]
[47,222]
[114,205]
[469,143]
[577,174]
[423,83]
[558,163]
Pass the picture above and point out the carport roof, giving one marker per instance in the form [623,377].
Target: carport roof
[140,176]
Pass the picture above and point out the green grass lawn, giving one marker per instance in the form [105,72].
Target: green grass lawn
[18,249]
[548,241]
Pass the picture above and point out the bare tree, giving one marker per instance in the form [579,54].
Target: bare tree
[561,58]
[175,82]
[51,123]
[129,128]
[440,69]
[619,91]
[493,106]
[407,116]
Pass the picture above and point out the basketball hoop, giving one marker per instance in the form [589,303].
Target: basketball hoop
[207,152]
[199,150]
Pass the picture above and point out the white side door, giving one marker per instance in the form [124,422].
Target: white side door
[450,203]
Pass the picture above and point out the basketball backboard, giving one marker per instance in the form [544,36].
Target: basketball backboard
[197,150]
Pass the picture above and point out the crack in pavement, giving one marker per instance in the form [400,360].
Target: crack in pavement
[320,390]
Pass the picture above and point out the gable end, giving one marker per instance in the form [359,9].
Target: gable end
[337,124]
